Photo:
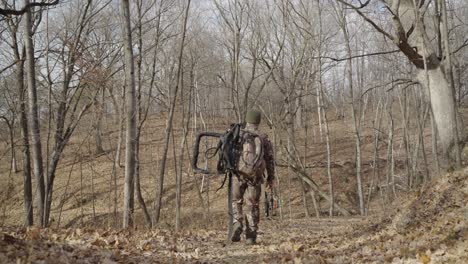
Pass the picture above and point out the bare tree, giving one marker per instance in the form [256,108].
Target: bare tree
[169,120]
[449,75]
[130,99]
[10,120]
[412,39]
[26,8]
[69,105]
[13,24]
[33,117]
[354,115]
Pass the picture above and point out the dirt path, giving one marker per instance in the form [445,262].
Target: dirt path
[337,240]
[307,240]
[429,227]
[278,241]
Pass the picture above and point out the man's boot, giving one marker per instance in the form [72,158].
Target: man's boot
[236,232]
[251,237]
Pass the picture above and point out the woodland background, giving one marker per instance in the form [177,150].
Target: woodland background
[100,102]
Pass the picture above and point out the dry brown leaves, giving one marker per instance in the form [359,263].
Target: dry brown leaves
[432,227]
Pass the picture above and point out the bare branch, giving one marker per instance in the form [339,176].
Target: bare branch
[368,20]
[8,12]
[358,56]
[8,67]
[465,43]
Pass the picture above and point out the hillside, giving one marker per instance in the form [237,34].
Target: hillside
[430,227]
[86,194]
[423,226]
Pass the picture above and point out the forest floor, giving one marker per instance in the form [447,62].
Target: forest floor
[425,225]
[431,226]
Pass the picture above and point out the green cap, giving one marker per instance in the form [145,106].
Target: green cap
[253,117]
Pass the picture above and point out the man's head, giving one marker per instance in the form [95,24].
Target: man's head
[253,117]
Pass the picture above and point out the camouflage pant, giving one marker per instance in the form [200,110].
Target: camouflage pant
[252,203]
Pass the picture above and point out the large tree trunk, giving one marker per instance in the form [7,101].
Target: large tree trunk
[442,103]
[412,39]
[130,101]
[33,118]
[430,73]
[449,74]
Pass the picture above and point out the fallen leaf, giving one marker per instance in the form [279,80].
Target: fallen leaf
[425,259]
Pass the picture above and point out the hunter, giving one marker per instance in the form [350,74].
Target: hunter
[248,189]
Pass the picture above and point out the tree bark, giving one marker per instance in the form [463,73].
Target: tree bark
[449,74]
[130,103]
[33,118]
[407,15]
[27,186]
[21,89]
[323,110]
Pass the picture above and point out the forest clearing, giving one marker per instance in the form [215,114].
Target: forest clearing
[160,131]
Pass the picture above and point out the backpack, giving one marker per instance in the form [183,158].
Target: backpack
[251,164]
[241,152]
[228,149]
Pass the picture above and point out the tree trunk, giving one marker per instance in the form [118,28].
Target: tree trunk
[121,114]
[353,113]
[435,155]
[429,72]
[33,118]
[140,113]
[139,195]
[11,128]
[412,39]
[303,176]
[169,122]
[449,74]
[98,113]
[443,106]
[27,186]
[130,102]
[323,110]
[23,121]
[390,172]
[375,162]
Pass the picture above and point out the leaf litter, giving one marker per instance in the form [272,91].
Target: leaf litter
[429,227]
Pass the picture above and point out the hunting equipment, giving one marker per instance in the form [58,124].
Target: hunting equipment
[196,150]
[228,153]
[266,202]
[270,203]
[234,157]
